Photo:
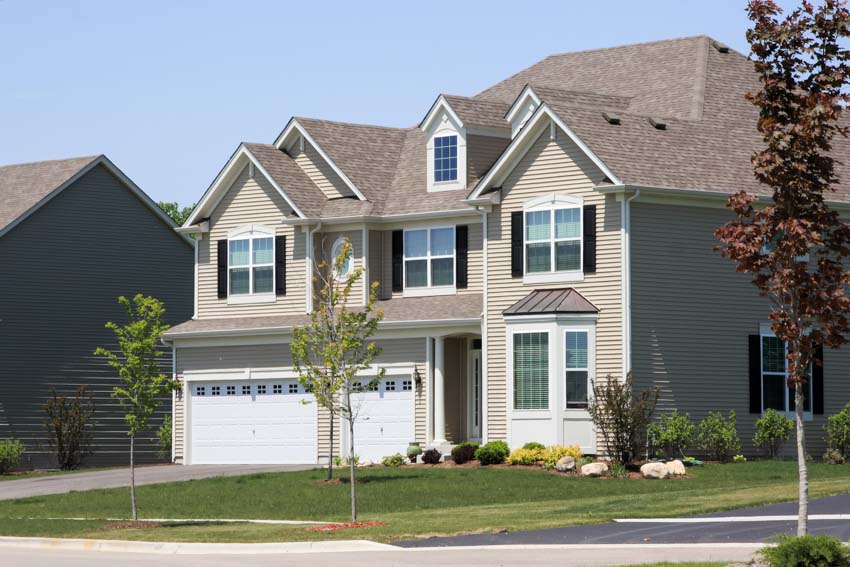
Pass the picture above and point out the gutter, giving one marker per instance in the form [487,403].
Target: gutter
[379,219]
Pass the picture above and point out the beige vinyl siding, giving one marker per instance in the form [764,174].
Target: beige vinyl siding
[324,243]
[481,153]
[177,423]
[251,201]
[691,316]
[319,171]
[551,166]
[410,350]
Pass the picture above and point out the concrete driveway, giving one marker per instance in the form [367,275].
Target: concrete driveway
[115,478]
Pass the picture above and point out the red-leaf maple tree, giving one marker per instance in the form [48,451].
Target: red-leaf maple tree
[794,244]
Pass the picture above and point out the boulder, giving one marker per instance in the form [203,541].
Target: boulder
[565,464]
[594,469]
[677,468]
[654,470]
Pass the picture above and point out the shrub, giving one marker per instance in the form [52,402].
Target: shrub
[163,438]
[838,432]
[739,459]
[807,551]
[464,452]
[772,431]
[345,461]
[833,457]
[492,453]
[68,428]
[431,457]
[554,454]
[11,455]
[621,416]
[718,437]
[525,456]
[534,445]
[618,471]
[673,434]
[394,460]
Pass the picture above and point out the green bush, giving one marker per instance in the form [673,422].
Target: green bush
[621,415]
[833,457]
[807,551]
[673,434]
[492,453]
[11,455]
[718,437]
[464,452]
[772,431]
[534,446]
[163,438]
[838,432]
[394,460]
[431,457]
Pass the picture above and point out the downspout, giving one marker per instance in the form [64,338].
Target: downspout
[626,265]
[195,240]
[484,329]
[174,392]
[309,255]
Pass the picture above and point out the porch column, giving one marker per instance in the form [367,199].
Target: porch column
[439,391]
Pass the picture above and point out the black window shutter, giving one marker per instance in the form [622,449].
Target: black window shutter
[398,260]
[817,382]
[589,238]
[280,265]
[462,255]
[516,244]
[755,374]
[222,269]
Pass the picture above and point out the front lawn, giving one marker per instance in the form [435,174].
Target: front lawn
[413,502]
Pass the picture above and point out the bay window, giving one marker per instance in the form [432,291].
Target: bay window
[531,370]
[577,369]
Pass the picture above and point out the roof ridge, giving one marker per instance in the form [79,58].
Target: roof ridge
[636,44]
[357,124]
[91,158]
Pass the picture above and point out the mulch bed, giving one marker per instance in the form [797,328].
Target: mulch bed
[326,482]
[346,526]
[131,525]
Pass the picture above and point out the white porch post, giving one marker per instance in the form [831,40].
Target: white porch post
[439,391]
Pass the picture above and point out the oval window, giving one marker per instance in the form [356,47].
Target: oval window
[349,262]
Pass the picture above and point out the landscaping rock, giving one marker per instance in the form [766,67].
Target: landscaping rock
[565,464]
[677,468]
[594,469]
[654,470]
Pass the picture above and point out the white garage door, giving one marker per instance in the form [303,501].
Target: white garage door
[257,421]
[386,422]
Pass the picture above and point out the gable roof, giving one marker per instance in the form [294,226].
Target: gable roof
[26,187]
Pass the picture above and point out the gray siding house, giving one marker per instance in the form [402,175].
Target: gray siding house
[74,235]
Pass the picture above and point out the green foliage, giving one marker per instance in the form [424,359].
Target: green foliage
[532,445]
[177,213]
[68,427]
[11,455]
[492,453]
[838,432]
[772,431]
[431,457]
[553,454]
[525,456]
[807,551]
[718,437]
[163,438]
[346,461]
[464,452]
[621,416]
[673,434]
[394,460]
[739,459]
[617,470]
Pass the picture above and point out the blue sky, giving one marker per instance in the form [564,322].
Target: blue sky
[168,89]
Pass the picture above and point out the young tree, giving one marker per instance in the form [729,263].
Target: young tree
[143,384]
[795,245]
[336,346]
[177,213]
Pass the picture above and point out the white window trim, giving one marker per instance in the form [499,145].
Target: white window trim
[338,242]
[446,124]
[590,330]
[249,233]
[553,203]
[765,331]
[429,289]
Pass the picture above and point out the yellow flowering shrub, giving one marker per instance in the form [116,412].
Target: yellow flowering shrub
[546,457]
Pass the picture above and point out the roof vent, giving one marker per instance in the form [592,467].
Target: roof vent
[611,117]
[721,47]
[658,124]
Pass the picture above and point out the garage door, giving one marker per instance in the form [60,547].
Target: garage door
[386,422]
[257,421]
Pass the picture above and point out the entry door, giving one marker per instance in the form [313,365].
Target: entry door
[475,394]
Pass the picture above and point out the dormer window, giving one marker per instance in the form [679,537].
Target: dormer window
[445,159]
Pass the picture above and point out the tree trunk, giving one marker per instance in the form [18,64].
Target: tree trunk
[133,479]
[331,451]
[351,470]
[803,509]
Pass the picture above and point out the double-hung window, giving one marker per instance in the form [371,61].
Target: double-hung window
[429,258]
[553,238]
[531,370]
[776,394]
[250,263]
[577,369]
[445,158]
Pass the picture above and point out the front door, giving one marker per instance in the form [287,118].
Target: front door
[475,394]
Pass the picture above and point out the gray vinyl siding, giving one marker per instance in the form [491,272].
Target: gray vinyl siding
[65,267]
[691,316]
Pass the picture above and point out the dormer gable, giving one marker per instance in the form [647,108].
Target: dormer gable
[522,109]
[445,147]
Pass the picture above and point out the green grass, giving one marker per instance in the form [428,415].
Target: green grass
[413,502]
[690,564]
